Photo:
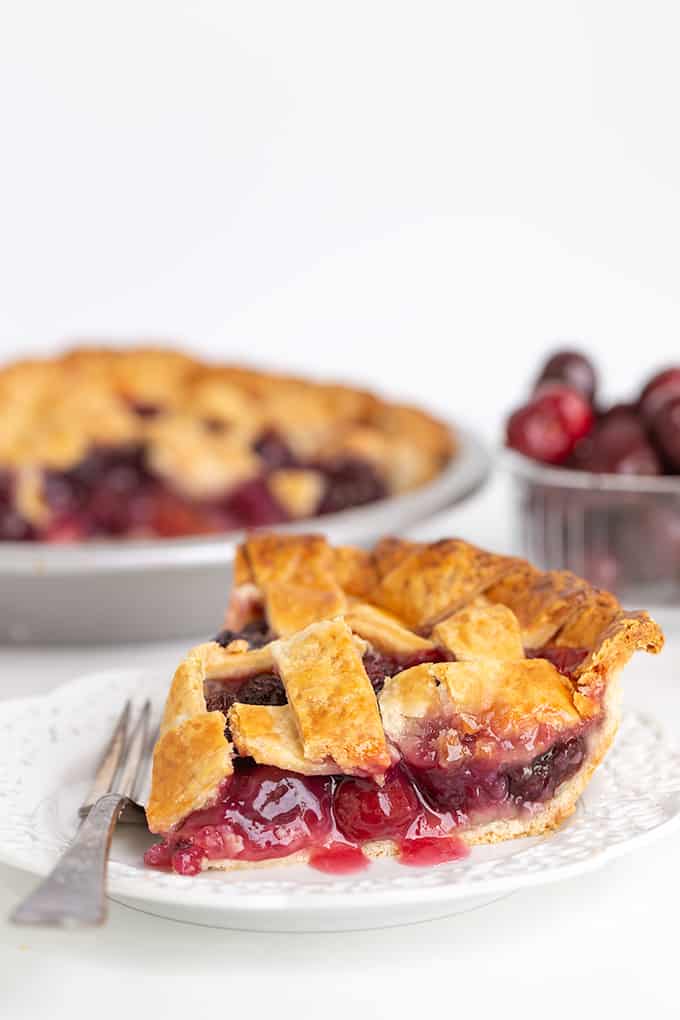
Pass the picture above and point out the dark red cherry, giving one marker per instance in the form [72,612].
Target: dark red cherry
[575,411]
[364,810]
[573,369]
[548,428]
[538,431]
[253,505]
[665,429]
[661,388]
[619,445]
[621,412]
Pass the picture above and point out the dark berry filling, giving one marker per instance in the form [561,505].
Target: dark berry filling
[350,483]
[256,633]
[253,505]
[265,689]
[538,780]
[112,492]
[274,451]
[264,812]
[379,666]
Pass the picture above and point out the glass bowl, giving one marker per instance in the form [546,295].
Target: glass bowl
[621,532]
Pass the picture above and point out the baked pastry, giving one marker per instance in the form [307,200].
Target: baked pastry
[410,700]
[145,442]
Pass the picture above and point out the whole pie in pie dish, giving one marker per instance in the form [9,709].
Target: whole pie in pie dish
[407,701]
[152,443]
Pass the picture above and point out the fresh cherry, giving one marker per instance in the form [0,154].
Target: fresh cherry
[548,428]
[619,445]
[575,411]
[573,369]
[661,388]
[665,428]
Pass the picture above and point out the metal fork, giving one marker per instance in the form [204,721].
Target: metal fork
[75,890]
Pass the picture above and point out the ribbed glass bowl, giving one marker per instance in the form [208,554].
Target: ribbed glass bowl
[621,532]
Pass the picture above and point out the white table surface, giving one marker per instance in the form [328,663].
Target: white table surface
[607,941]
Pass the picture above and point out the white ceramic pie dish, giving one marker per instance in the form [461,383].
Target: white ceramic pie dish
[51,744]
[170,588]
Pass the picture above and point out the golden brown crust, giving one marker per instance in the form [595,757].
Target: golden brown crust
[355,570]
[434,580]
[269,734]
[190,763]
[331,697]
[627,633]
[56,410]
[481,632]
[542,602]
[297,490]
[192,756]
[384,631]
[591,618]
[234,662]
[390,552]
[295,575]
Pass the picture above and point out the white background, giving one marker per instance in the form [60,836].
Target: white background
[422,197]
[416,195]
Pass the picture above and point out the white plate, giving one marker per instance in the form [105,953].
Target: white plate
[169,588]
[50,746]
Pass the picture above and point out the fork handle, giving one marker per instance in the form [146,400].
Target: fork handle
[75,890]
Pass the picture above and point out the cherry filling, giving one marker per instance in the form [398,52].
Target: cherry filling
[265,812]
[448,778]
[262,812]
[478,790]
[113,492]
[566,660]
[265,689]
[257,633]
[379,666]
[349,483]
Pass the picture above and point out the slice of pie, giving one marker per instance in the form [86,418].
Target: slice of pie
[145,443]
[407,701]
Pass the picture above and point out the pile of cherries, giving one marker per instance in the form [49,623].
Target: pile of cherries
[563,424]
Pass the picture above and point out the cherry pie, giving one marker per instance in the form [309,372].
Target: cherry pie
[139,443]
[407,701]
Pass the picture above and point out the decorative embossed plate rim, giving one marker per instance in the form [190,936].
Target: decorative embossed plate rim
[50,746]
